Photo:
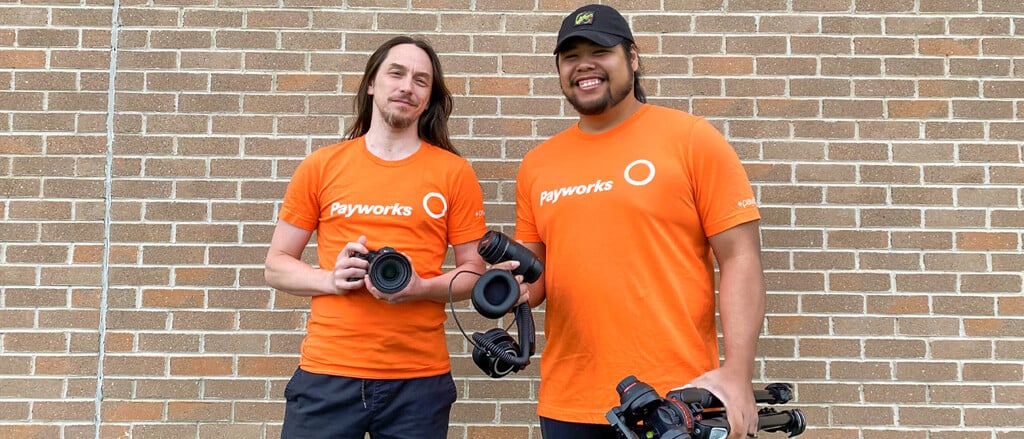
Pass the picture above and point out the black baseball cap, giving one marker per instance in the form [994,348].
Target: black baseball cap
[598,23]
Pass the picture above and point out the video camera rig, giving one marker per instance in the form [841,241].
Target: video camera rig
[694,413]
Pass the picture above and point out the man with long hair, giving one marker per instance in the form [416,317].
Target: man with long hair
[375,359]
[644,195]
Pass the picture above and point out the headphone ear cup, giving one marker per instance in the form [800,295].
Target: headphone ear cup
[492,351]
[495,293]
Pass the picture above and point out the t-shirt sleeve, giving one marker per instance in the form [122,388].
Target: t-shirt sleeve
[723,193]
[526,225]
[301,207]
[466,221]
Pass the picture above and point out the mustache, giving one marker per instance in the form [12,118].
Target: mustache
[403,96]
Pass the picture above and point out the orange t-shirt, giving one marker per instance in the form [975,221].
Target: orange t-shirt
[418,205]
[625,216]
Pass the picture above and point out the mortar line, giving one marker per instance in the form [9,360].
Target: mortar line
[107,209]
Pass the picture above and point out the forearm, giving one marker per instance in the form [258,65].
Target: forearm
[296,277]
[742,306]
[436,288]
[537,293]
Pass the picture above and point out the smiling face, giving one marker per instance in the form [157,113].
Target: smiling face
[401,88]
[596,78]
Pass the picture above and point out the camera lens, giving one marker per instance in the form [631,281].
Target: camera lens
[390,271]
[496,247]
[492,246]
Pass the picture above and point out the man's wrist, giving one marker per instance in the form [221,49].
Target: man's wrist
[744,371]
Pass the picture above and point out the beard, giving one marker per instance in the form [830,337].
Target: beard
[611,98]
[397,121]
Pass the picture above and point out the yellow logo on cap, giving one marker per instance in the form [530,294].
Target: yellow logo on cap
[585,18]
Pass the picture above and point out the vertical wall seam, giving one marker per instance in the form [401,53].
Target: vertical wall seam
[107,208]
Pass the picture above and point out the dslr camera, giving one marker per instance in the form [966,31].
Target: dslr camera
[390,271]
[694,413]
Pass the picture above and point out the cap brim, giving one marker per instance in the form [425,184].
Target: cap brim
[599,38]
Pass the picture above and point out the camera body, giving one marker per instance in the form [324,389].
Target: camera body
[389,271]
[693,413]
[494,295]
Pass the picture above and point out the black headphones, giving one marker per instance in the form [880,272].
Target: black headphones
[494,351]
[494,295]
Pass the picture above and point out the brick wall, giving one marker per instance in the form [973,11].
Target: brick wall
[142,164]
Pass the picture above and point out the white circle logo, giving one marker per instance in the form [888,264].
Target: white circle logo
[650,176]
[444,205]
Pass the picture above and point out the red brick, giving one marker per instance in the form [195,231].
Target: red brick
[202,411]
[201,366]
[265,366]
[132,411]
[22,59]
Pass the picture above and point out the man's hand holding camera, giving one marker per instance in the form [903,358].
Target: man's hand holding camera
[349,271]
[733,389]
[385,273]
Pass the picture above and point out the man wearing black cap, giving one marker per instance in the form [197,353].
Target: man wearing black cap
[627,207]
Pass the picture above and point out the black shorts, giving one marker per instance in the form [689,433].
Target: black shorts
[326,406]
[554,429]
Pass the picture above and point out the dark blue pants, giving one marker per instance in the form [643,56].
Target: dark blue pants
[552,429]
[325,406]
